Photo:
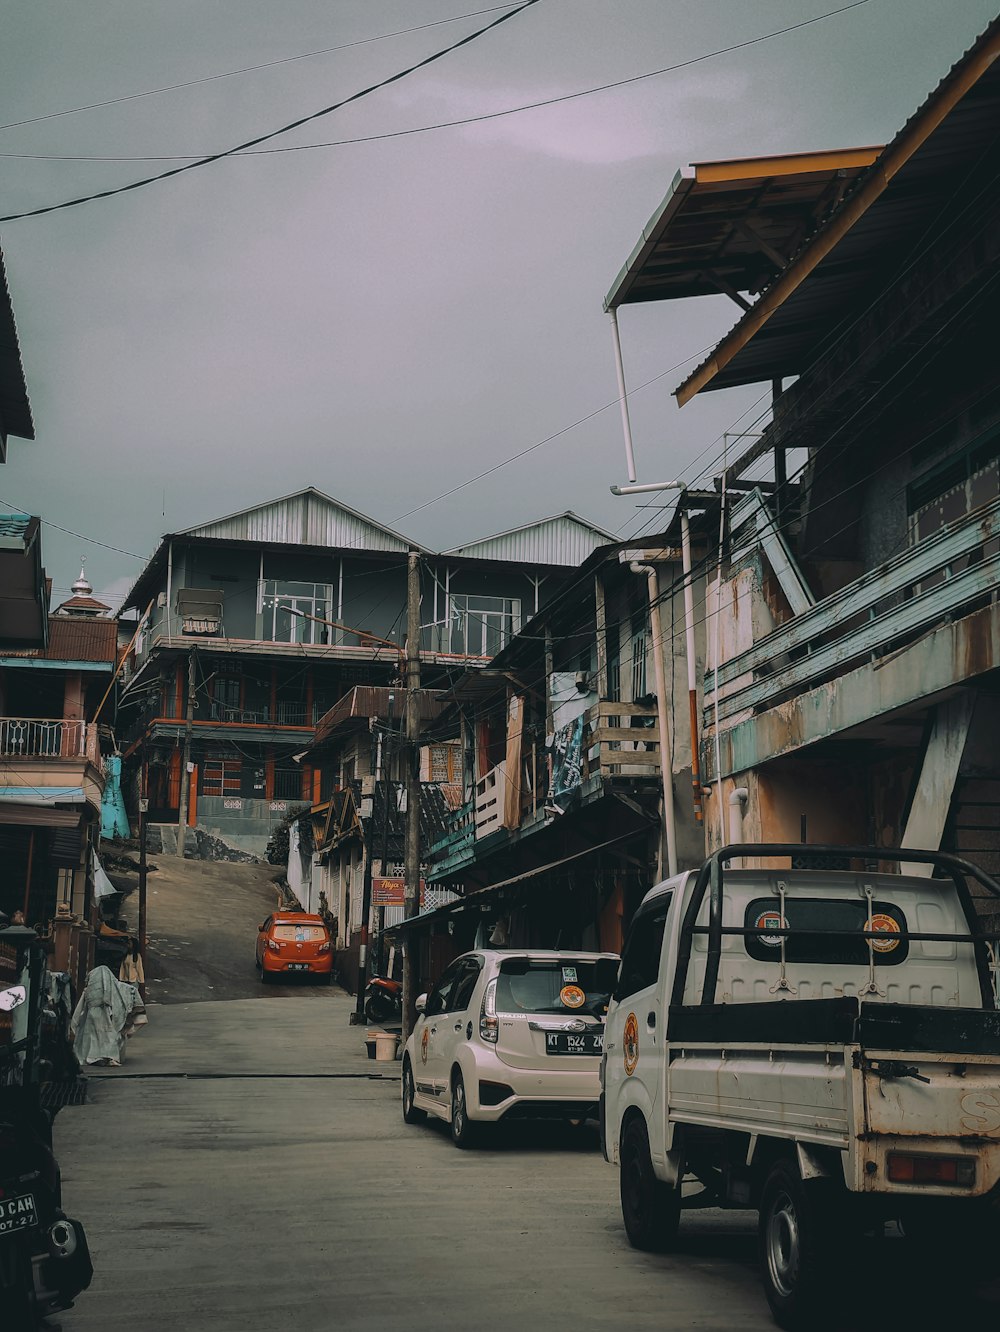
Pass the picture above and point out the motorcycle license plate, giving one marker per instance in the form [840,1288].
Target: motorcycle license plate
[574,1043]
[298,966]
[17,1213]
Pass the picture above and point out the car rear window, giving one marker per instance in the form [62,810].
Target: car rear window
[299,933]
[825,913]
[565,985]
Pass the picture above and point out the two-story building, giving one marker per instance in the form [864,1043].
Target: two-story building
[854,649]
[256,624]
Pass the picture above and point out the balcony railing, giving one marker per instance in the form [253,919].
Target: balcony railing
[44,737]
[623,740]
[934,581]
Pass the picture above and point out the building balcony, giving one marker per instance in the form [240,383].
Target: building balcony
[51,760]
[918,625]
[619,746]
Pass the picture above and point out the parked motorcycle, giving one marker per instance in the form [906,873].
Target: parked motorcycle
[44,1258]
[384,1000]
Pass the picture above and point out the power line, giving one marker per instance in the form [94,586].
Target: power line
[285,129]
[245,151]
[247,69]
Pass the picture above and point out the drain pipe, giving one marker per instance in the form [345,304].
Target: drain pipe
[653,588]
[623,396]
[692,665]
[738,798]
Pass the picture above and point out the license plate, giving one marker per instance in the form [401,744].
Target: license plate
[17,1213]
[574,1043]
[298,966]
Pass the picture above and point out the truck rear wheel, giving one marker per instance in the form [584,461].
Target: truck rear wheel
[795,1230]
[651,1209]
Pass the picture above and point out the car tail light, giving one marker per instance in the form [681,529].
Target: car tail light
[324,947]
[489,1028]
[274,947]
[906,1168]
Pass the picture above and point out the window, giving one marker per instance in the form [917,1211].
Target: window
[464,985]
[439,999]
[641,958]
[640,635]
[284,607]
[445,763]
[480,626]
[536,987]
[288,784]
[221,777]
[825,913]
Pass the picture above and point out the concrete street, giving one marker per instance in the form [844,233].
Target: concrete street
[247,1169]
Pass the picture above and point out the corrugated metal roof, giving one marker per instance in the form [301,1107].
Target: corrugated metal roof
[15,410]
[72,639]
[565,538]
[855,251]
[307,518]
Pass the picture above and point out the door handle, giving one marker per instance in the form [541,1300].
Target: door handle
[650,1019]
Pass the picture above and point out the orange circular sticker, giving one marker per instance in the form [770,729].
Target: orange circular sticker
[886,924]
[425,1041]
[773,920]
[572,996]
[630,1044]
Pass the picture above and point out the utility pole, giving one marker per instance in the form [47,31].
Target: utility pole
[143,811]
[411,883]
[386,795]
[182,812]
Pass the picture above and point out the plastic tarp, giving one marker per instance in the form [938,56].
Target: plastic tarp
[102,1018]
[114,820]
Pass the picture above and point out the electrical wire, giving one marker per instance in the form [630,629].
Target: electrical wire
[248,69]
[443,124]
[284,129]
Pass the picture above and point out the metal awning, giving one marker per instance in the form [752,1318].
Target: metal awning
[730,226]
[482,896]
[856,250]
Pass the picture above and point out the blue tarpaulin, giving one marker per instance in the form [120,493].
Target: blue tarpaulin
[114,820]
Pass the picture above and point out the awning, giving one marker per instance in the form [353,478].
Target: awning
[482,896]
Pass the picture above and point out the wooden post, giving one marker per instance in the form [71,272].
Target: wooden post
[27,875]
[602,638]
[411,886]
[182,812]
[143,811]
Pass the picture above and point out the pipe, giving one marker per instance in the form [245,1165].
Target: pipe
[623,395]
[170,579]
[666,775]
[647,487]
[692,665]
[738,797]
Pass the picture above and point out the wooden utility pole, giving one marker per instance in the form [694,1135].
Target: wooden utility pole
[182,812]
[411,883]
[143,867]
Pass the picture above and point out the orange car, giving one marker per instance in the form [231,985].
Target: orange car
[294,942]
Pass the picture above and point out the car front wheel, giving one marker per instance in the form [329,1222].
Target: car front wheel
[651,1209]
[463,1131]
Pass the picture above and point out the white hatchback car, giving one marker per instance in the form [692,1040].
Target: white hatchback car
[509,1033]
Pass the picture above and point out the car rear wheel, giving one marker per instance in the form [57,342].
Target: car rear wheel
[411,1114]
[463,1131]
[799,1240]
[651,1209]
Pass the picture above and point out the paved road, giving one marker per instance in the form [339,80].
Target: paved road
[247,1170]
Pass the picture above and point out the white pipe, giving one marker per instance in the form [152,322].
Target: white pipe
[738,797]
[647,487]
[692,664]
[170,579]
[623,396]
[666,766]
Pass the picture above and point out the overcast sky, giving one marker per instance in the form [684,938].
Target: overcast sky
[383,320]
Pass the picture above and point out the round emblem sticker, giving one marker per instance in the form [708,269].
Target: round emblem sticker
[886,924]
[572,996]
[630,1044]
[425,1041]
[770,920]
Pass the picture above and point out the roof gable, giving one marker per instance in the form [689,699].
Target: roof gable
[306,518]
[564,538]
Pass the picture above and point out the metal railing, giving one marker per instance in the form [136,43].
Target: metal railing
[48,737]
[908,595]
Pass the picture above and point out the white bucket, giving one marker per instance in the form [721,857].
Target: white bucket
[385,1046]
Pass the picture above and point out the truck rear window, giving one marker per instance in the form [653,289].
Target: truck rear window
[825,913]
[556,987]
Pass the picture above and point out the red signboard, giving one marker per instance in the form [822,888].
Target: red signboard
[389,892]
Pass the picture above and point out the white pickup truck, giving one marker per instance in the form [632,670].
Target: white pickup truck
[819,1044]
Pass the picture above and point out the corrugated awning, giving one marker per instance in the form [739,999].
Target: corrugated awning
[730,226]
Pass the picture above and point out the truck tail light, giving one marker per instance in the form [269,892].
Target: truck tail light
[489,1028]
[324,947]
[274,947]
[910,1168]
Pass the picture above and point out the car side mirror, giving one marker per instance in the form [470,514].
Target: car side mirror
[421,1003]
